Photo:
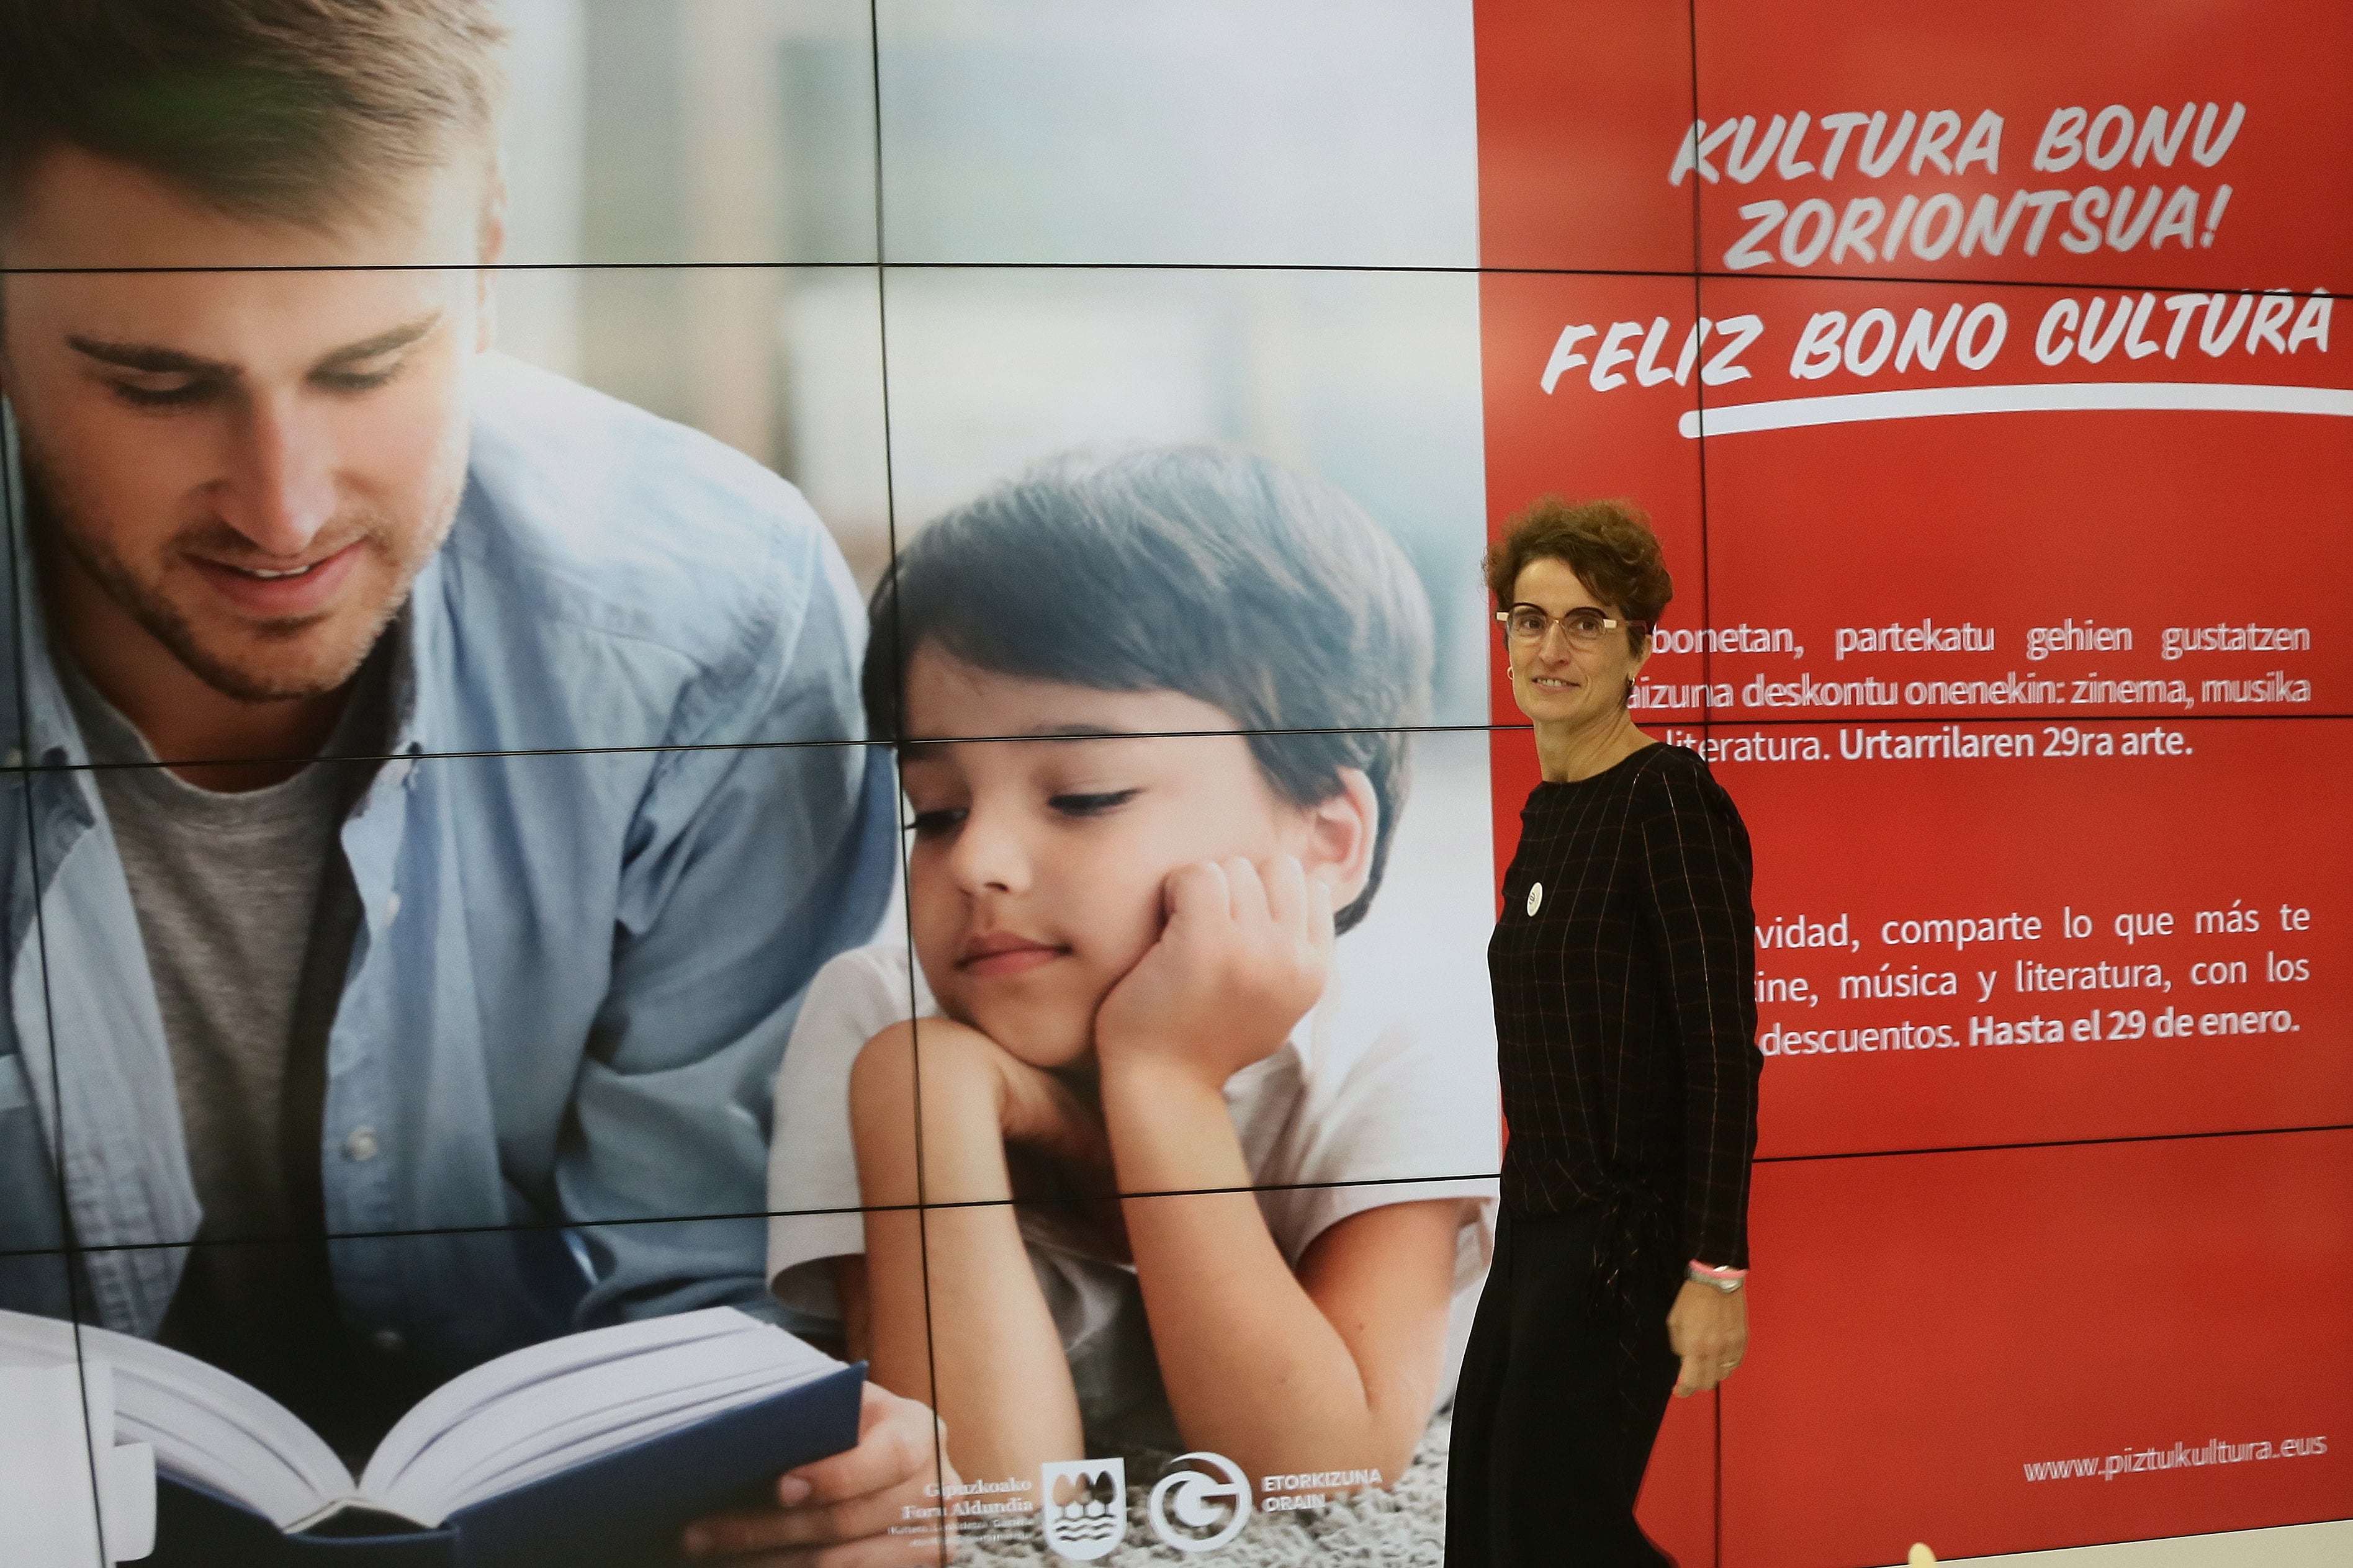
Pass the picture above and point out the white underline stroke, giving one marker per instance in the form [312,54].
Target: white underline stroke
[1930,402]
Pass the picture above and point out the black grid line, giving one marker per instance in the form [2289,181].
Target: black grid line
[1941,280]
[1835,719]
[19,546]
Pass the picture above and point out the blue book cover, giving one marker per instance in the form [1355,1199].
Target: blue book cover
[591,1449]
[621,1511]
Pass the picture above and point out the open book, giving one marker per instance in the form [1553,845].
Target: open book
[613,1434]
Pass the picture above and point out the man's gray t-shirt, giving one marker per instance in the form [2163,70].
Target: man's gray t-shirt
[247,915]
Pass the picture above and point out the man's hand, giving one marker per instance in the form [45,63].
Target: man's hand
[1240,961]
[1709,1329]
[876,1506]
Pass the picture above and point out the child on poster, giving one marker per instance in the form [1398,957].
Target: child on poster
[1200,668]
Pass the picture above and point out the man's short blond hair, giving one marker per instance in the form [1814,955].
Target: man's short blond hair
[299,111]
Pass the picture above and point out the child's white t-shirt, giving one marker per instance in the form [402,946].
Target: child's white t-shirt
[1348,1099]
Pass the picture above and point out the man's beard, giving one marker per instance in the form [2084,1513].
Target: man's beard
[57,520]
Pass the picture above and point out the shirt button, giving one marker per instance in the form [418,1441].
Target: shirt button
[1536,897]
[391,908]
[362,1144]
[391,1342]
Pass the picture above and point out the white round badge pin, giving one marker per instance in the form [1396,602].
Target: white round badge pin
[1536,897]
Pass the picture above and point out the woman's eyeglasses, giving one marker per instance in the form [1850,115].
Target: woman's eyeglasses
[1584,628]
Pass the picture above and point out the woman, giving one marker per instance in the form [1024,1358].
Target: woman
[1625,1014]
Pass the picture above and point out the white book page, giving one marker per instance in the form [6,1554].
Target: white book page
[205,1425]
[593,1436]
[598,1435]
[509,1422]
[596,1408]
[432,1417]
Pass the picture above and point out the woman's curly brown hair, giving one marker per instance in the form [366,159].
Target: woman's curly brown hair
[1607,543]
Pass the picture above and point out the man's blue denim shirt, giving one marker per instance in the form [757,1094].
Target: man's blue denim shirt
[576,970]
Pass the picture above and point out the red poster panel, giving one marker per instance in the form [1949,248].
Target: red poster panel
[1997,605]
[2007,1351]
[1990,934]
[1576,104]
[1961,502]
[2202,145]
[1677,1508]
[1587,379]
[1936,501]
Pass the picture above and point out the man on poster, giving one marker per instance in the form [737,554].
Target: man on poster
[502,1023]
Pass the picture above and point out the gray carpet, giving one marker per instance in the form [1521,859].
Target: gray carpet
[1403,1525]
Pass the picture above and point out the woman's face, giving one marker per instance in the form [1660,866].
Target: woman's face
[1554,681]
[1034,878]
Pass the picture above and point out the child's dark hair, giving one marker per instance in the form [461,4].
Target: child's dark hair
[1194,569]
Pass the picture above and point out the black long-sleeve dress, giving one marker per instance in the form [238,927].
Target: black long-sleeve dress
[1624,972]
[1626,1000]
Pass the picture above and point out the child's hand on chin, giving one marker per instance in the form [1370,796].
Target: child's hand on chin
[1242,960]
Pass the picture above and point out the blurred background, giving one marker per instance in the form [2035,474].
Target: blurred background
[713,163]
[694,228]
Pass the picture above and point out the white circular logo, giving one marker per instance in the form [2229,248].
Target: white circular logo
[1536,897]
[1186,1503]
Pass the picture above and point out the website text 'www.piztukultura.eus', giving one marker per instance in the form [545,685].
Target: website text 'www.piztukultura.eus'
[2181,1456]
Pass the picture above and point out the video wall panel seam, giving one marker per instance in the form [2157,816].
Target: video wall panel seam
[66,1295]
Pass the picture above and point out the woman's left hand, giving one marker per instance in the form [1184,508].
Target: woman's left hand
[1709,1329]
